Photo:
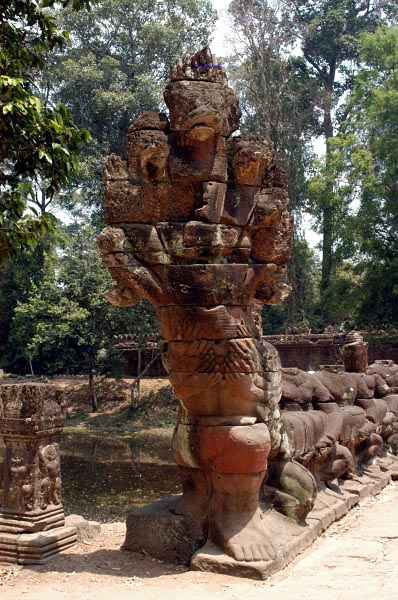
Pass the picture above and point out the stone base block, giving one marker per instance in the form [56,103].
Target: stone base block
[209,558]
[8,548]
[361,487]
[391,461]
[87,531]
[331,504]
[287,539]
[167,536]
[35,548]
[162,534]
[31,522]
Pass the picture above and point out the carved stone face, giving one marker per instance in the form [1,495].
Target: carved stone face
[147,156]
[190,195]
[49,453]
[251,158]
[204,104]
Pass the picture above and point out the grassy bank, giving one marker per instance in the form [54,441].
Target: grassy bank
[155,407]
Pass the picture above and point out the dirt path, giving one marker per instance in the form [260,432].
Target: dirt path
[356,558]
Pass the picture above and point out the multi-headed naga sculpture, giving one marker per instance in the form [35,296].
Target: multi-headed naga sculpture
[198,225]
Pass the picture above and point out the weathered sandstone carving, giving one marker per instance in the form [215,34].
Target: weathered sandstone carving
[198,225]
[32,523]
[355,416]
[355,353]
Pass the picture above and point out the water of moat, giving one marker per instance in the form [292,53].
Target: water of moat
[104,477]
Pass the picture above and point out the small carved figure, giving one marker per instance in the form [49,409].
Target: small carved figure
[50,469]
[20,488]
[355,353]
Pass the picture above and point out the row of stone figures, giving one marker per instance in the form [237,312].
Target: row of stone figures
[336,423]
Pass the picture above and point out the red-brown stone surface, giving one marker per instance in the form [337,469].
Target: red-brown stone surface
[189,212]
[31,421]
[198,225]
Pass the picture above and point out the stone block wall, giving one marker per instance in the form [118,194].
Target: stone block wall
[306,352]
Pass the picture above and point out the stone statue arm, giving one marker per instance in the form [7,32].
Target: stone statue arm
[135,281]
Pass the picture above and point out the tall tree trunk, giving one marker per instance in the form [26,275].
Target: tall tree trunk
[31,365]
[327,224]
[91,390]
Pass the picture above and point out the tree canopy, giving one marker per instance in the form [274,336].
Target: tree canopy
[365,170]
[297,63]
[278,97]
[109,66]
[39,142]
[115,67]
[329,32]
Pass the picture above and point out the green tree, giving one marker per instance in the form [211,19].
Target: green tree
[65,324]
[39,143]
[17,275]
[119,55]
[278,96]
[329,31]
[364,167]
[276,92]
[115,68]
[301,308]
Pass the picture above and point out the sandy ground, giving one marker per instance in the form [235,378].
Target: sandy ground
[356,558]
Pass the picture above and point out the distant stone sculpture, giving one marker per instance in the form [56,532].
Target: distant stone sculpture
[32,523]
[386,369]
[355,353]
[198,225]
[351,423]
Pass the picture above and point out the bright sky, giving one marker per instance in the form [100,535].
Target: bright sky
[219,46]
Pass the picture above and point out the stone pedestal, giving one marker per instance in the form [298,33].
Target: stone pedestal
[32,517]
[161,533]
[157,531]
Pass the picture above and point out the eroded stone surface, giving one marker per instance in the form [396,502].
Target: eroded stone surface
[198,225]
[31,516]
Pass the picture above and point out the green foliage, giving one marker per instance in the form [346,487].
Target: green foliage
[303,273]
[110,67]
[64,324]
[291,98]
[340,299]
[379,301]
[17,276]
[301,308]
[275,89]
[274,319]
[38,143]
[329,31]
[115,68]
[278,93]
[363,166]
